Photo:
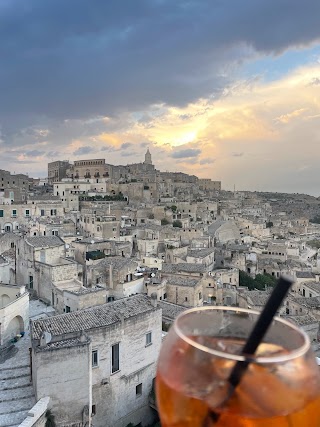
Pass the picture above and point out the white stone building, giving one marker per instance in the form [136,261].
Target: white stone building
[100,363]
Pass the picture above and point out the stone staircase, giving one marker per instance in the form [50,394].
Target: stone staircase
[17,396]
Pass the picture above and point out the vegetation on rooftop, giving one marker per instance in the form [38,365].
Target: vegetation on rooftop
[261,281]
[177,223]
[165,221]
[315,219]
[109,198]
[314,244]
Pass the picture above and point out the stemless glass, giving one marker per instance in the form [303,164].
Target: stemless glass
[280,387]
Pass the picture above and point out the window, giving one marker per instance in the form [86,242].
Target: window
[115,358]
[200,295]
[165,296]
[1,213]
[7,228]
[53,212]
[31,282]
[149,338]
[139,389]
[93,410]
[27,212]
[68,310]
[42,212]
[12,244]
[14,212]
[186,298]
[94,358]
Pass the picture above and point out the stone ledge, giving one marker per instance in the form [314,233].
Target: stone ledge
[36,412]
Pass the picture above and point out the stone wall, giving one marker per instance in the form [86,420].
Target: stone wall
[114,395]
[65,374]
[187,296]
[14,318]
[89,299]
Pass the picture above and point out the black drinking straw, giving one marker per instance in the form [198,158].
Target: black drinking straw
[256,336]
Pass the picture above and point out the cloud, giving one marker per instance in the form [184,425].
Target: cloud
[128,154]
[155,52]
[207,161]
[125,145]
[315,81]
[237,154]
[83,150]
[187,153]
[286,118]
[34,153]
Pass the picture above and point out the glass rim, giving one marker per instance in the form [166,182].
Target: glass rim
[293,354]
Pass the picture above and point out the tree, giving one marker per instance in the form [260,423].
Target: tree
[164,221]
[177,223]
[315,220]
[269,224]
[260,282]
[173,208]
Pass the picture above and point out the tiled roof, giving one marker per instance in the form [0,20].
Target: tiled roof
[183,267]
[313,302]
[257,298]
[94,317]
[73,342]
[84,291]
[307,319]
[314,286]
[182,281]
[305,275]
[44,241]
[170,311]
[117,263]
[9,237]
[200,253]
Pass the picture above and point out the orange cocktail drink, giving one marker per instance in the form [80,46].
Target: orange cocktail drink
[280,386]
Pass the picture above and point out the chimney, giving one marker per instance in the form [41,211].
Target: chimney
[43,341]
[83,338]
[154,301]
[317,277]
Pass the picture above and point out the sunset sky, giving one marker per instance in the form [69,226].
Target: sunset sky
[223,89]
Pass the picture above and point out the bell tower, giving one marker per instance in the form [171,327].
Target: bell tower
[147,158]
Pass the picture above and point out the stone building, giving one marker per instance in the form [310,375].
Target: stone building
[47,250]
[57,170]
[118,274]
[99,226]
[201,256]
[91,168]
[208,184]
[184,291]
[13,188]
[45,205]
[14,311]
[99,364]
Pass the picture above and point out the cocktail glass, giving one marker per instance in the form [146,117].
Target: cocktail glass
[280,386]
